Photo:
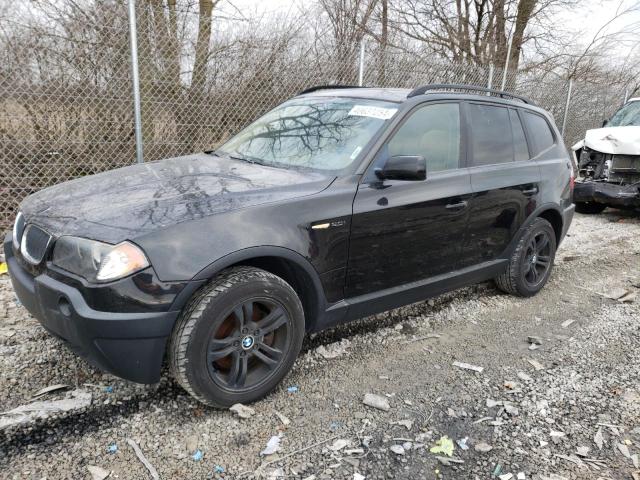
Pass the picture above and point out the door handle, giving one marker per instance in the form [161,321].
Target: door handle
[531,191]
[456,206]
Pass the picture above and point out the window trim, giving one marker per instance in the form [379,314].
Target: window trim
[368,175]
[526,136]
[529,135]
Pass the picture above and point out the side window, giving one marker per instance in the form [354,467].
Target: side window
[540,132]
[520,149]
[491,140]
[432,131]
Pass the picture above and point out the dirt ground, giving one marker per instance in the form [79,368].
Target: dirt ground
[574,413]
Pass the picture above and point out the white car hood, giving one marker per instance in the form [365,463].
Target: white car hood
[615,140]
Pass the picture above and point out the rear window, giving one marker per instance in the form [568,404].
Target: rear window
[491,135]
[540,132]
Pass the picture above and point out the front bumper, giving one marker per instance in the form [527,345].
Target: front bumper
[622,196]
[129,345]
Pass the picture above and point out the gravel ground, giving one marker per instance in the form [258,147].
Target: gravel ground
[540,420]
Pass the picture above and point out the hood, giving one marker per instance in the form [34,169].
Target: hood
[614,140]
[127,202]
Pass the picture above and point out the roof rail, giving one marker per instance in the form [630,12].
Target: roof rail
[473,88]
[326,87]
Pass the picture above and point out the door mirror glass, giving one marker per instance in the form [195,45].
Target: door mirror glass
[403,167]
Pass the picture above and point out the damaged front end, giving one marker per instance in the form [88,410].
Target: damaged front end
[608,179]
[608,163]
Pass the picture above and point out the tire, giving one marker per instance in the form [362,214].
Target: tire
[590,207]
[519,278]
[224,347]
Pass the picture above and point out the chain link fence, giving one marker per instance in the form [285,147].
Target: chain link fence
[66,87]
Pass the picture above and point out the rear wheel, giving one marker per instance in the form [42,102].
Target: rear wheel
[590,207]
[531,262]
[237,338]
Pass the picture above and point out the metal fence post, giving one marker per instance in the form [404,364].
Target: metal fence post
[135,76]
[566,107]
[490,79]
[506,64]
[361,70]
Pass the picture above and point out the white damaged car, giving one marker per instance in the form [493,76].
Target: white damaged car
[608,161]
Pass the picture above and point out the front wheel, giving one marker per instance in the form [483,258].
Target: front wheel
[531,262]
[237,338]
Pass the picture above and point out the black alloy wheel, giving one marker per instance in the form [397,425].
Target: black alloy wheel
[237,338]
[249,343]
[537,259]
[531,261]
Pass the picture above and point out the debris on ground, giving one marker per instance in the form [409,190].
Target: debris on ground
[535,364]
[567,323]
[152,471]
[443,445]
[598,439]
[292,389]
[468,366]
[533,340]
[448,461]
[242,411]
[408,424]
[333,350]
[462,443]
[3,268]
[582,451]
[50,389]
[112,448]
[76,400]
[197,455]
[98,473]
[376,401]
[482,447]
[339,444]
[273,445]
[397,449]
[285,421]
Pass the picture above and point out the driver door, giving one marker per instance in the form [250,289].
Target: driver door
[406,231]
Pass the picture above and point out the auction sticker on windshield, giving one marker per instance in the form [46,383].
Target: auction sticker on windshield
[373,112]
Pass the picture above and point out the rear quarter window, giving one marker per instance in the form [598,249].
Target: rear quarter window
[540,132]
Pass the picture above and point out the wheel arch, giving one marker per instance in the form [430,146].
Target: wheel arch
[554,217]
[289,265]
[551,213]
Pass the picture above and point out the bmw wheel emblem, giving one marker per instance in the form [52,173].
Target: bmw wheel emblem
[247,342]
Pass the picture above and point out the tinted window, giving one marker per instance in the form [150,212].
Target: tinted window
[491,135]
[520,150]
[433,132]
[539,131]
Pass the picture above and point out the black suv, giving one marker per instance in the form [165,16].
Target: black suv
[337,204]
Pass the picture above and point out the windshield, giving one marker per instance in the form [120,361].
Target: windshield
[315,133]
[629,115]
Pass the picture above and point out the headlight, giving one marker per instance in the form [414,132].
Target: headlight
[18,229]
[97,261]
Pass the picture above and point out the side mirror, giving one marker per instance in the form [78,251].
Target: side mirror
[605,122]
[403,167]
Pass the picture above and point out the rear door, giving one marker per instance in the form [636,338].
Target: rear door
[404,231]
[504,179]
